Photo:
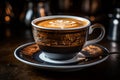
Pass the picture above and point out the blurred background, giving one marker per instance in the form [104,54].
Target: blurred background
[16,15]
[16,29]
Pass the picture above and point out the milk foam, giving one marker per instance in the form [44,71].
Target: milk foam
[62,23]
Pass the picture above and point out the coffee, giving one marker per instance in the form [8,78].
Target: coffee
[62,23]
[62,37]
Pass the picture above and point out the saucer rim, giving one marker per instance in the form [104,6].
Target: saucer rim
[48,66]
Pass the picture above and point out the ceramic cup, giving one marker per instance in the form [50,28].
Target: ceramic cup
[63,43]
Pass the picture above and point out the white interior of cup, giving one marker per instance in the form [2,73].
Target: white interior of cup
[60,16]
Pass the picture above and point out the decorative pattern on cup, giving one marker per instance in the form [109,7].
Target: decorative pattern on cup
[58,38]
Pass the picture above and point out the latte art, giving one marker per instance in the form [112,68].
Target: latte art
[62,23]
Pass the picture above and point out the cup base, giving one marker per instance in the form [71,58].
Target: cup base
[75,59]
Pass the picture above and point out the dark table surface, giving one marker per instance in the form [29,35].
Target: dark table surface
[12,69]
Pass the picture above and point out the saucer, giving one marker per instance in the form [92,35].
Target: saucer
[29,53]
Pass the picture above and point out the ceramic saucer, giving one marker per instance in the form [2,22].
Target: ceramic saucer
[29,53]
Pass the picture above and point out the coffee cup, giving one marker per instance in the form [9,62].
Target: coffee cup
[61,37]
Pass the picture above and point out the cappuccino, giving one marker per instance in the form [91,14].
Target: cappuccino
[61,23]
[62,37]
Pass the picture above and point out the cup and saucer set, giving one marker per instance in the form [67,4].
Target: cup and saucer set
[61,44]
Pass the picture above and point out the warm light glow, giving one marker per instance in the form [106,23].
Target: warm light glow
[7,18]
[92,18]
[42,12]
[94,6]
[67,4]
[8,11]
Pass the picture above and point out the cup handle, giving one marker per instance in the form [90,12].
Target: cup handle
[100,37]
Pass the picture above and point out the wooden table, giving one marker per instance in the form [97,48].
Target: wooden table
[12,69]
